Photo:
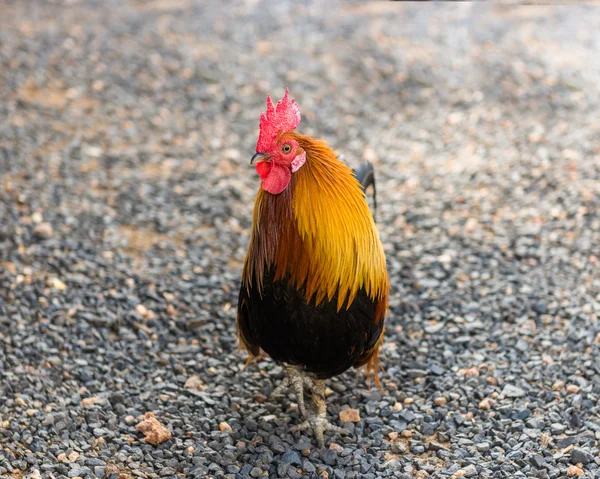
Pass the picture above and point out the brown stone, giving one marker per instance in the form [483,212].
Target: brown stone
[224,427]
[350,415]
[154,431]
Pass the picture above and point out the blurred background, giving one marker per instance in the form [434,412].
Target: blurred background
[125,203]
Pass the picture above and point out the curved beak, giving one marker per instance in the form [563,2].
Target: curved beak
[259,157]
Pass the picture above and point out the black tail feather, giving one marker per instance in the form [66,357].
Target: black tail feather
[365,174]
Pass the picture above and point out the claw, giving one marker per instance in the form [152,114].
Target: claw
[280,387]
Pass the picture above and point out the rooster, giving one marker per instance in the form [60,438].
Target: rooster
[314,286]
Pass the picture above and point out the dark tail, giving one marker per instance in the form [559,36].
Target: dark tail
[365,174]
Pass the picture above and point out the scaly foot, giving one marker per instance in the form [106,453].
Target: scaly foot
[318,425]
[297,381]
[318,422]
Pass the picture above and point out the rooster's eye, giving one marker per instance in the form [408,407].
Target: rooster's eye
[286,148]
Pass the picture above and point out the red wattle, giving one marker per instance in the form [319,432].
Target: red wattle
[276,180]
[263,168]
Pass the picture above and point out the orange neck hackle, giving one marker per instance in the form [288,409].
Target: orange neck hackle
[320,231]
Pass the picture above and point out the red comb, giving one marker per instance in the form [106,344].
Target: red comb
[282,118]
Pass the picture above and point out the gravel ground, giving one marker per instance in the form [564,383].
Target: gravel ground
[125,132]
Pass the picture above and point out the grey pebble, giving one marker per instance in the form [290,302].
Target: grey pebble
[513,391]
[580,456]
[291,457]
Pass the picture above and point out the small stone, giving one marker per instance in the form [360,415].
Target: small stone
[153,430]
[558,385]
[43,231]
[73,456]
[89,401]
[89,150]
[31,412]
[407,415]
[61,457]
[397,406]
[523,414]
[537,461]
[417,449]
[256,472]
[545,439]
[470,471]
[574,471]
[269,417]
[291,457]
[350,415]
[566,444]
[557,428]
[56,283]
[224,427]
[144,312]
[440,401]
[436,446]
[336,447]
[308,466]
[471,224]
[572,389]
[329,457]
[579,456]
[398,447]
[547,359]
[393,436]
[540,308]
[512,391]
[485,404]
[194,382]
[171,310]
[483,446]
[492,381]
[251,425]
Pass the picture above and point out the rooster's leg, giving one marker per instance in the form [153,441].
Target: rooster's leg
[318,423]
[297,381]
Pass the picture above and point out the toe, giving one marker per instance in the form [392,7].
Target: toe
[280,387]
[320,437]
[338,429]
[318,426]
[304,426]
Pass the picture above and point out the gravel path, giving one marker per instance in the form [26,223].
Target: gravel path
[125,132]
